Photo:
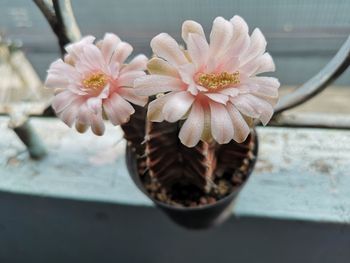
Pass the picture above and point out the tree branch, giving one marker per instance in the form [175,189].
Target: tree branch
[60,17]
[66,30]
[46,7]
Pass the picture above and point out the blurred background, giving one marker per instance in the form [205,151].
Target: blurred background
[302,35]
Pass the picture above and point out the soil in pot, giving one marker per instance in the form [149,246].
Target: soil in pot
[187,194]
[172,176]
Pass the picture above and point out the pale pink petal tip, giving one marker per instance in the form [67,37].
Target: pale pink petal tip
[93,82]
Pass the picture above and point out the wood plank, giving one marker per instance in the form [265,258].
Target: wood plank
[301,173]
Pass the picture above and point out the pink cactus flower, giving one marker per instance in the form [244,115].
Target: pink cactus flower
[213,87]
[92,83]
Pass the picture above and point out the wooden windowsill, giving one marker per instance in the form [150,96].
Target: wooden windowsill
[300,174]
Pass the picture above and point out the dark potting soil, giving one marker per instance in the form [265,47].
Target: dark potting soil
[189,195]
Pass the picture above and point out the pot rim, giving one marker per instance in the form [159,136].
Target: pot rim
[201,207]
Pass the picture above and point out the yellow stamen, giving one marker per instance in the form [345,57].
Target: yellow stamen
[213,81]
[95,81]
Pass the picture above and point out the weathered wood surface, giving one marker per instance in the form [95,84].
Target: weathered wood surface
[301,174]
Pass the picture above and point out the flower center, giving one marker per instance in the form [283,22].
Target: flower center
[221,80]
[95,81]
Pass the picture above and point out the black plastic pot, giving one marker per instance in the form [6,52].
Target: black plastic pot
[201,217]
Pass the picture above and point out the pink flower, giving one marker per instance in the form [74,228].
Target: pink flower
[213,86]
[93,83]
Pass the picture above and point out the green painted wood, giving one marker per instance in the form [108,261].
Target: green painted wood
[301,174]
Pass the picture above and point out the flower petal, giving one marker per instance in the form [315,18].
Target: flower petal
[240,126]
[187,72]
[265,81]
[189,27]
[254,107]
[221,124]
[191,131]
[240,38]
[69,114]
[244,105]
[60,75]
[260,64]
[97,125]
[93,57]
[56,81]
[177,106]
[153,84]
[256,48]
[233,92]
[94,104]
[63,100]
[83,119]
[105,92]
[267,86]
[198,49]
[269,94]
[155,107]
[127,79]
[193,89]
[74,50]
[229,63]
[238,44]
[137,63]
[81,127]
[122,52]
[240,26]
[159,66]
[220,36]
[217,97]
[129,95]
[84,115]
[117,109]
[266,64]
[166,47]
[109,45]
